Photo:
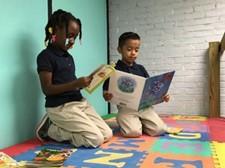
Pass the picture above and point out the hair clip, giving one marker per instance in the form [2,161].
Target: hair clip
[50,30]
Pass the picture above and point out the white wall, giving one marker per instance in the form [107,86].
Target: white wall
[175,35]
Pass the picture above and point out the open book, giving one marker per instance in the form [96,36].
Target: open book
[137,92]
[99,75]
[44,158]
[51,157]
[7,161]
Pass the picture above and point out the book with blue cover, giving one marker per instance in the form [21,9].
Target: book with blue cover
[136,92]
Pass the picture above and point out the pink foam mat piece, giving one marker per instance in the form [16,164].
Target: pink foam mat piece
[216,129]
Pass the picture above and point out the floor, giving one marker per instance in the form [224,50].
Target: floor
[200,145]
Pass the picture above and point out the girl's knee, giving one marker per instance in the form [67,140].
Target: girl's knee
[90,140]
[108,135]
[96,140]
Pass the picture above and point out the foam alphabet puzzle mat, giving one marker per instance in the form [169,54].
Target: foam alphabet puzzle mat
[201,144]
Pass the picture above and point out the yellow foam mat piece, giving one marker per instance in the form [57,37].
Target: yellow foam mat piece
[218,151]
[191,117]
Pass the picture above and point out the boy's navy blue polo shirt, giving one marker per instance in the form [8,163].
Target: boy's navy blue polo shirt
[135,69]
[62,66]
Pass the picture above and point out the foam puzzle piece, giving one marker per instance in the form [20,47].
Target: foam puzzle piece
[160,160]
[198,136]
[184,147]
[190,118]
[106,158]
[218,154]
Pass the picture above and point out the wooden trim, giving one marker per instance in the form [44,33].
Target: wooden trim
[214,79]
[222,45]
[49,8]
[107,27]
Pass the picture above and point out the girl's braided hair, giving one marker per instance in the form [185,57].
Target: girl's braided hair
[60,18]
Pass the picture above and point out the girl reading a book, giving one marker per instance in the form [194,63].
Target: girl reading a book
[132,122]
[69,116]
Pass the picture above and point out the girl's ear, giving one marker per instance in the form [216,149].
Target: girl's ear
[56,29]
[59,29]
[119,49]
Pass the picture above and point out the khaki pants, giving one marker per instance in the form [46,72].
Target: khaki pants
[133,123]
[78,123]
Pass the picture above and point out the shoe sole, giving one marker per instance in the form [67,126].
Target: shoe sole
[42,122]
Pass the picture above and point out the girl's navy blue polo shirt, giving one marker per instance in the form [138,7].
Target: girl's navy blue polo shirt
[62,66]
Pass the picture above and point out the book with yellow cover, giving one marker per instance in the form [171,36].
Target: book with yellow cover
[100,75]
[44,158]
[7,162]
[51,157]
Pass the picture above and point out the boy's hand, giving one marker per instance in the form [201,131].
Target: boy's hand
[84,81]
[107,96]
[166,98]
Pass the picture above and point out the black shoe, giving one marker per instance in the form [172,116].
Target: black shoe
[42,129]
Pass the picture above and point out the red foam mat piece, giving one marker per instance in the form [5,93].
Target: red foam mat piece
[22,147]
[216,129]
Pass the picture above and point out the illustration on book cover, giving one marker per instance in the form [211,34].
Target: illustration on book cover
[137,92]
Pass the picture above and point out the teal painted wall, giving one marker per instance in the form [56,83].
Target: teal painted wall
[22,36]
[21,39]
[93,50]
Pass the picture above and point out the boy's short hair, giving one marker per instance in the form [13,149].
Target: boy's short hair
[126,36]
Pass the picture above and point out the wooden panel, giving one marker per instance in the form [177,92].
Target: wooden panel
[214,79]
[222,45]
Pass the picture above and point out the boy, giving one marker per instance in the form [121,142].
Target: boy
[132,123]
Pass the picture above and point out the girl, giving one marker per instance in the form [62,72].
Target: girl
[69,116]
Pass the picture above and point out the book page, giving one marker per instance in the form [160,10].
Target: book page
[7,162]
[155,88]
[126,89]
[99,75]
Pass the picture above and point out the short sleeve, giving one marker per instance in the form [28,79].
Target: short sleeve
[146,75]
[44,63]
[106,85]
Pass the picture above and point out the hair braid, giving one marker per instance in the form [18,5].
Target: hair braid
[60,18]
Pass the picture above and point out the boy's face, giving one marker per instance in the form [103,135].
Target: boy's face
[66,41]
[129,51]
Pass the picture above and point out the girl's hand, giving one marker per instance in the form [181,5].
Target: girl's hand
[166,98]
[107,96]
[84,81]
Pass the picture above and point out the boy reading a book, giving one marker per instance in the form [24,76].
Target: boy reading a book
[132,123]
